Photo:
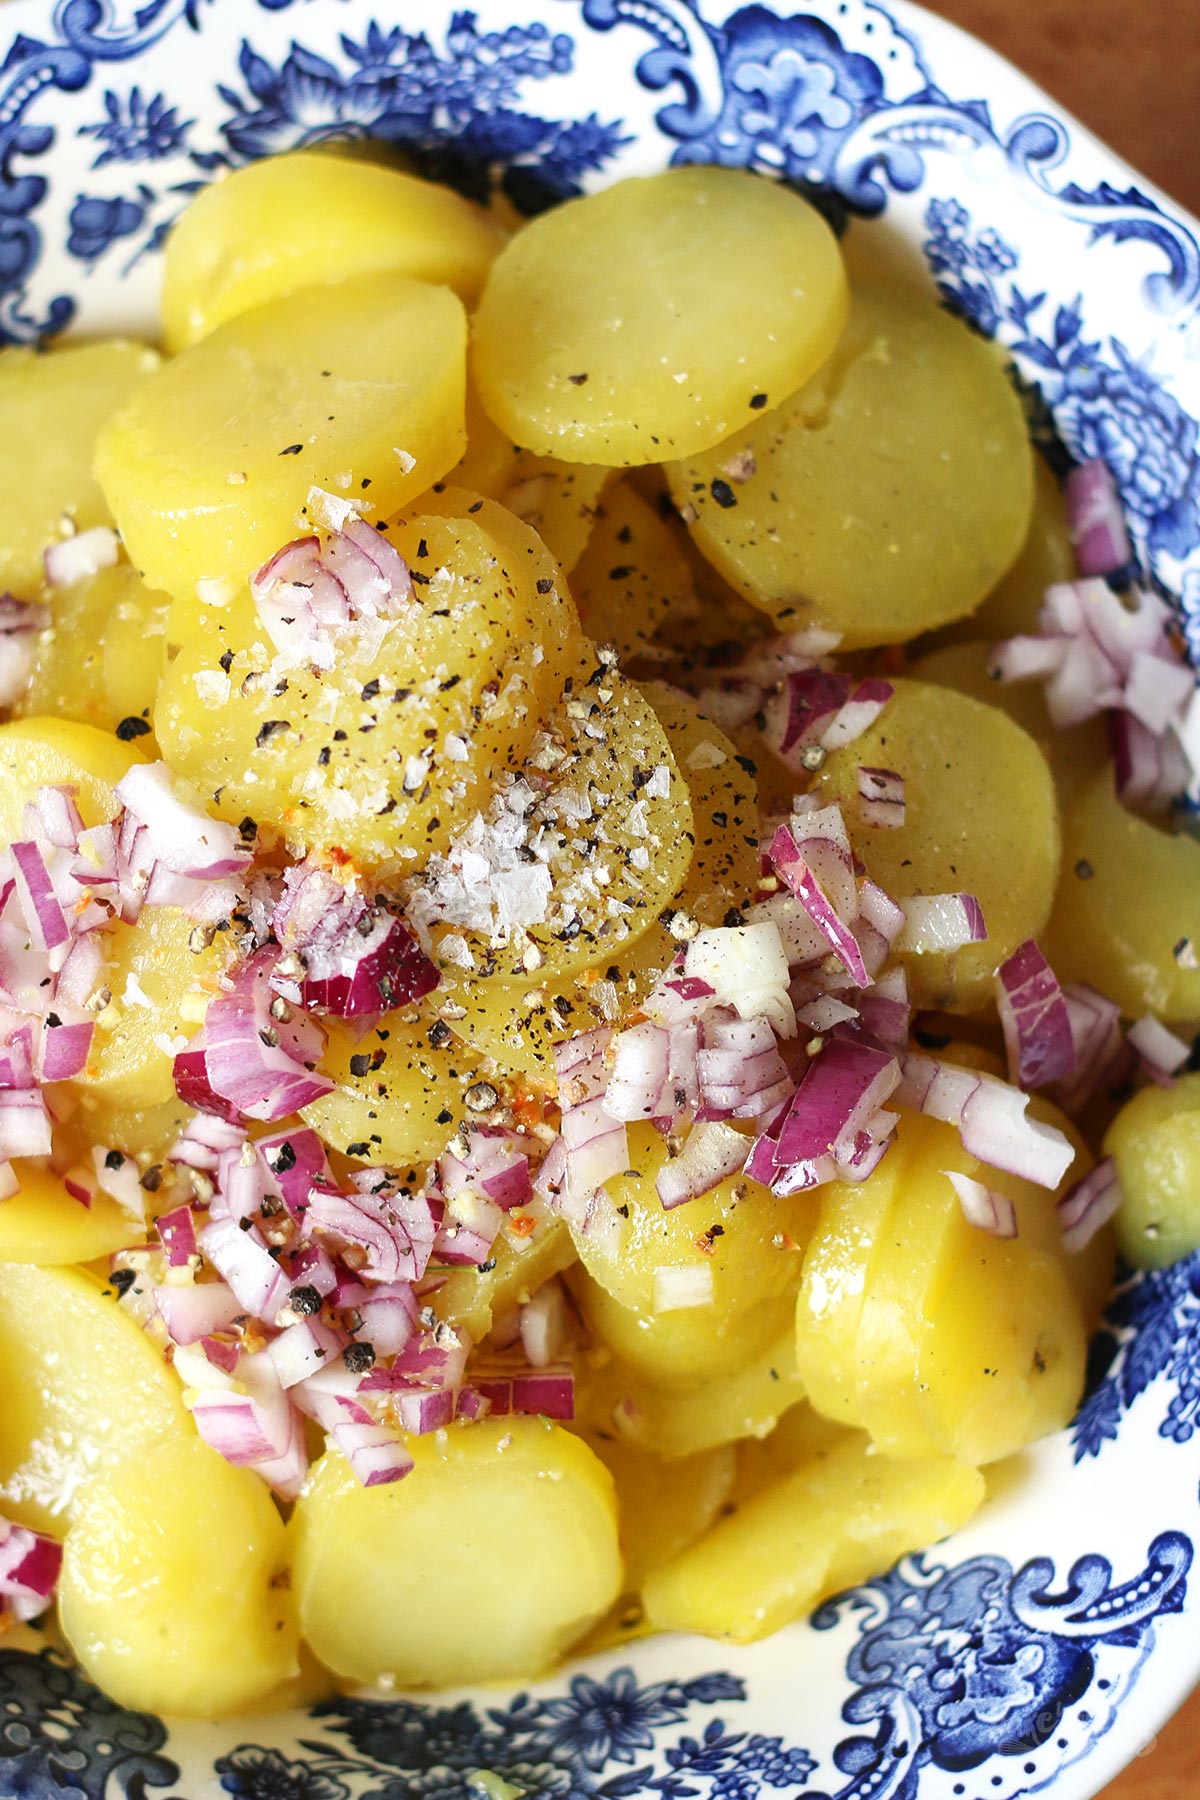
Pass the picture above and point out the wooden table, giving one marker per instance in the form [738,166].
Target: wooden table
[1129,69]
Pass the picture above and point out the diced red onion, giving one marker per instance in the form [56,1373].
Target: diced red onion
[785,854]
[285,1474]
[550,1392]
[1095,520]
[1150,771]
[79,557]
[244,1260]
[1101,1054]
[880,798]
[579,1066]
[394,1229]
[195,1312]
[711,1152]
[295,1162]
[222,1353]
[596,1146]
[246,1060]
[940,922]
[177,1233]
[358,960]
[859,713]
[679,1286]
[185,840]
[544,1324]
[801,709]
[303,1349]
[841,1089]
[983,1206]
[119,1177]
[1162,1054]
[1088,1206]
[746,968]
[38,901]
[1034,1018]
[374,1452]
[385,1316]
[421,1410]
[990,1117]
[203,1139]
[30,1563]
[640,1073]
[469,1229]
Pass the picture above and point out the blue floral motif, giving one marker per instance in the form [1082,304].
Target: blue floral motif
[394,86]
[1153,1333]
[1105,403]
[96,223]
[137,130]
[61,1739]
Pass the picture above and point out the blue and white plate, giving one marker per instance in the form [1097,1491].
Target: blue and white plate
[1045,1645]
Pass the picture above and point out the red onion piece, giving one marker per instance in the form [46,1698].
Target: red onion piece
[358,960]
[841,1089]
[63,1045]
[295,1163]
[470,1227]
[785,854]
[393,1229]
[247,1060]
[79,557]
[177,1233]
[859,713]
[1088,1206]
[990,1117]
[544,1324]
[203,1139]
[711,1153]
[193,1313]
[746,968]
[809,701]
[421,1410]
[1150,771]
[640,1073]
[383,1316]
[579,1066]
[550,1392]
[184,839]
[1101,1054]
[24,1124]
[38,901]
[983,1206]
[303,1349]
[935,923]
[596,1147]
[1161,1053]
[246,1263]
[1034,1018]
[1095,520]
[880,798]
[30,1563]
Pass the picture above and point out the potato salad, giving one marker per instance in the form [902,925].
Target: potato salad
[595,950]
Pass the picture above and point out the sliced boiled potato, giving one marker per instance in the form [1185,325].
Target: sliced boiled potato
[663,1506]
[746,1401]
[161,974]
[1047,557]
[888,496]
[385,756]
[842,1517]
[559,500]
[44,1223]
[980,818]
[1074,755]
[607,822]
[46,752]
[422,1583]
[632,574]
[1155,1142]
[102,657]
[1127,916]
[172,1595]
[398,1096]
[521,1262]
[85,1390]
[52,405]
[740,1239]
[356,388]
[287,222]
[647,320]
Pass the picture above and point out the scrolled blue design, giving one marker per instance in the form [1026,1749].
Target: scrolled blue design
[1151,1335]
[61,1739]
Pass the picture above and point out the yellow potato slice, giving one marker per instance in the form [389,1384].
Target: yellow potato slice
[85,1390]
[1127,916]
[45,1224]
[675,1422]
[389,753]
[888,497]
[52,404]
[399,1094]
[103,655]
[161,975]
[980,818]
[356,388]
[1074,755]
[632,573]
[1155,1142]
[422,1582]
[559,500]
[844,1516]
[171,1594]
[646,320]
[45,752]
[663,1507]
[744,1238]
[289,222]
[470,1298]
[1047,556]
